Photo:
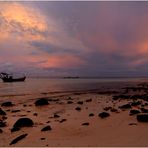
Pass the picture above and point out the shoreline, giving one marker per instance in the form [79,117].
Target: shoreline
[73,119]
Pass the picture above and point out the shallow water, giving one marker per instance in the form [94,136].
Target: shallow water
[46,85]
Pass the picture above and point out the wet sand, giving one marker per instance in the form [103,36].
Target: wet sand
[73,119]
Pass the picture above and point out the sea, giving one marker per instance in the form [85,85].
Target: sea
[35,86]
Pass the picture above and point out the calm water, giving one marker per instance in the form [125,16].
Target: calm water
[44,85]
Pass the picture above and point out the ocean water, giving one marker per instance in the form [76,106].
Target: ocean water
[34,86]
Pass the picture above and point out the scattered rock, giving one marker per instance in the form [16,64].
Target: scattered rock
[69,98]
[15,111]
[134,111]
[88,100]
[132,124]
[41,101]
[1,131]
[2,112]
[23,122]
[35,114]
[63,120]
[69,102]
[7,104]
[4,117]
[56,116]
[144,110]
[136,103]
[91,115]
[43,138]
[78,108]
[85,124]
[80,102]
[107,108]
[2,123]
[114,110]
[142,117]
[24,105]
[18,139]
[104,114]
[46,128]
[125,106]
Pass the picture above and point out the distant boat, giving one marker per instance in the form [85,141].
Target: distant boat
[9,78]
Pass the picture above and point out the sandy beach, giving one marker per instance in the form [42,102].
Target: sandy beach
[72,119]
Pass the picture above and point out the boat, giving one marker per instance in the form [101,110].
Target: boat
[9,78]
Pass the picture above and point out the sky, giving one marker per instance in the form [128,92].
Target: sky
[79,38]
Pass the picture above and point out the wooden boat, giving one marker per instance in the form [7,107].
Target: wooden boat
[9,78]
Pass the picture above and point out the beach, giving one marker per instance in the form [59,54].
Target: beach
[96,117]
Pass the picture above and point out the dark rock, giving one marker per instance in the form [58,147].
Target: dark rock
[1,131]
[69,98]
[125,106]
[80,102]
[142,117]
[121,97]
[63,120]
[78,108]
[7,104]
[144,110]
[133,112]
[114,110]
[14,129]
[2,112]
[69,102]
[135,103]
[104,115]
[88,100]
[91,115]
[85,124]
[15,111]
[43,138]
[46,128]
[56,116]
[107,108]
[2,123]
[18,139]
[41,101]
[24,105]
[132,124]
[35,114]
[4,117]
[23,122]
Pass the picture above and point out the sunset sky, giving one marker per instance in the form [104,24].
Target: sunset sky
[74,38]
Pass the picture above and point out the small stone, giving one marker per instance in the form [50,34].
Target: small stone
[80,102]
[107,108]
[43,138]
[41,101]
[7,104]
[2,124]
[63,120]
[46,128]
[133,112]
[88,100]
[142,117]
[69,102]
[91,115]
[18,139]
[56,116]
[125,106]
[85,124]
[78,108]
[1,131]
[2,112]
[15,111]
[104,115]
[35,114]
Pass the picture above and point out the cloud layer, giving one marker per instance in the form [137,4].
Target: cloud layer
[74,38]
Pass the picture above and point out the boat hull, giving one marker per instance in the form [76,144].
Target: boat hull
[13,80]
